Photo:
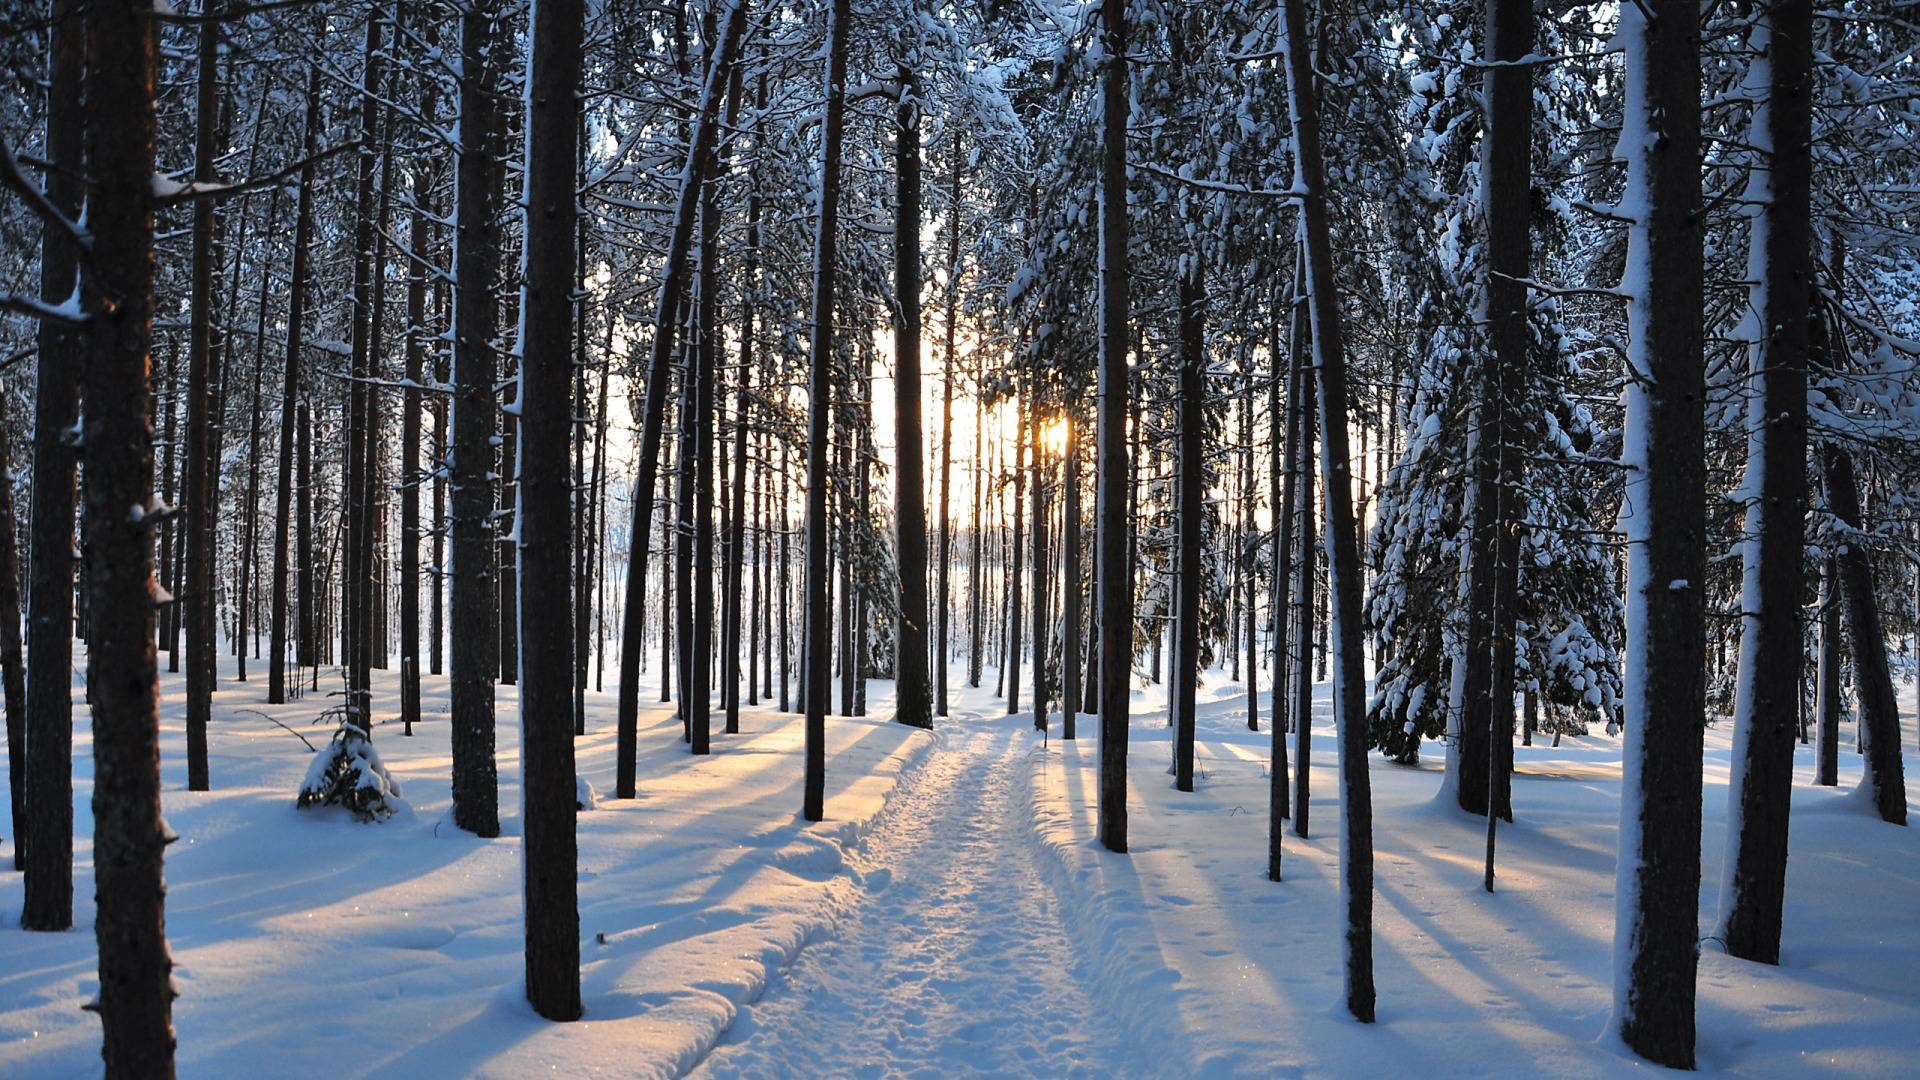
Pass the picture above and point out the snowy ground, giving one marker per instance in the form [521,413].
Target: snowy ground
[952,918]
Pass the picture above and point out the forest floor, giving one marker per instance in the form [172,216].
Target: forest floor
[953,917]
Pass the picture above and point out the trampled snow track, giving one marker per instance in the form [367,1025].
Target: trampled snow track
[949,959]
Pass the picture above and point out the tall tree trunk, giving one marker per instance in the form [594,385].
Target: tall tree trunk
[1247,553]
[911,699]
[816,647]
[250,544]
[700,164]
[697,659]
[290,393]
[419,341]
[485,54]
[1882,779]
[1070,656]
[1492,566]
[1113,511]
[44,838]
[1010,670]
[197,601]
[1306,563]
[1343,556]
[1192,494]
[976,603]
[545,499]
[1656,936]
[136,983]
[1767,709]
[943,589]
[1827,689]
[1042,554]
[1285,434]
[13,674]
[356,562]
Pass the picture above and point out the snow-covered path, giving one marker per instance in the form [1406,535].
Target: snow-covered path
[950,960]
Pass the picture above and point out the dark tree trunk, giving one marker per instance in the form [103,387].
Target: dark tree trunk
[545,500]
[1486,720]
[485,46]
[45,836]
[356,562]
[1827,688]
[943,590]
[250,545]
[1070,657]
[697,419]
[700,165]
[1343,556]
[1285,485]
[736,543]
[13,674]
[1010,669]
[290,394]
[1879,724]
[1306,560]
[911,699]
[816,645]
[1656,940]
[1192,493]
[1767,712]
[196,602]
[976,603]
[419,341]
[136,983]
[1114,510]
[1042,554]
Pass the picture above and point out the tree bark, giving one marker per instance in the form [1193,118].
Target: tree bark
[699,165]
[1042,555]
[290,393]
[1767,712]
[943,646]
[545,552]
[1070,656]
[1342,538]
[485,46]
[911,698]
[44,837]
[1306,563]
[136,984]
[1656,937]
[13,674]
[419,341]
[356,562]
[1188,525]
[1010,669]
[1113,512]
[1827,688]
[1882,779]
[197,601]
[816,646]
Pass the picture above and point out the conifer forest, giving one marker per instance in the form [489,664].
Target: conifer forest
[959,538]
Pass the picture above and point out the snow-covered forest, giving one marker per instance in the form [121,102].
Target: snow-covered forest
[749,538]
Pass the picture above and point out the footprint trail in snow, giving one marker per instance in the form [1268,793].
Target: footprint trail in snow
[950,962]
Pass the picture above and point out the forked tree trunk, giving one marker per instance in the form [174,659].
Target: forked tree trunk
[1883,776]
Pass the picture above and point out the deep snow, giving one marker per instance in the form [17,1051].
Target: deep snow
[953,917]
